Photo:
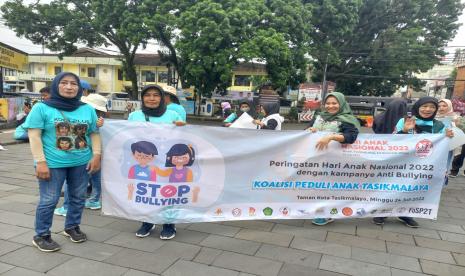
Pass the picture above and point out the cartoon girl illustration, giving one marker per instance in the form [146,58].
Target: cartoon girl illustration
[64,143]
[80,130]
[178,158]
[62,129]
[80,143]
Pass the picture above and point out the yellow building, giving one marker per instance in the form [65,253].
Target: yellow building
[12,63]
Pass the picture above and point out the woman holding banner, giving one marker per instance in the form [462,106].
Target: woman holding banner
[154,110]
[337,118]
[423,121]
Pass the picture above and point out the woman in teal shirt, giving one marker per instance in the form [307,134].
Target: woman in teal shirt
[154,110]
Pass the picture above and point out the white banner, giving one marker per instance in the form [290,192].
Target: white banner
[163,173]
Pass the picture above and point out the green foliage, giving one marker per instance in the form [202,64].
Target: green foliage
[293,113]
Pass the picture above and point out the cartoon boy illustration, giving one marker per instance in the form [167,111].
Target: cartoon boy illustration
[62,129]
[80,143]
[64,143]
[178,159]
[80,130]
[144,153]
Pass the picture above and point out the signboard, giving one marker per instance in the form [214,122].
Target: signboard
[12,58]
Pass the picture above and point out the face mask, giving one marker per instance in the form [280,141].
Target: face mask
[245,109]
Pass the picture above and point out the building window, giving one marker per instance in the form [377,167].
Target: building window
[148,76]
[91,72]
[242,80]
[10,72]
[120,74]
[57,70]
[163,77]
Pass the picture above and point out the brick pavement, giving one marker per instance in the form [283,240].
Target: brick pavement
[279,247]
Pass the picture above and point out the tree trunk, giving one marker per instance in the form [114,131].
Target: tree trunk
[130,70]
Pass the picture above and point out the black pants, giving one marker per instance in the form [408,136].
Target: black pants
[458,161]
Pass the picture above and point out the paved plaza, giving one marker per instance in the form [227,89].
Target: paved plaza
[278,247]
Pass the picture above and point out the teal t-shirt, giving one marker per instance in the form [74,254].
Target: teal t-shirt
[66,142]
[168,117]
[178,109]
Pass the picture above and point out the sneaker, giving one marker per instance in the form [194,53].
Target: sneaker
[410,222]
[45,243]
[75,234]
[453,174]
[93,205]
[145,230]
[168,232]
[322,221]
[379,220]
[61,211]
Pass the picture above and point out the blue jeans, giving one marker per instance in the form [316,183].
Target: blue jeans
[95,181]
[76,178]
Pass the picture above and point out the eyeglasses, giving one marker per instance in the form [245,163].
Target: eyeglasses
[66,83]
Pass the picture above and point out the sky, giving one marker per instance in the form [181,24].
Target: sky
[7,36]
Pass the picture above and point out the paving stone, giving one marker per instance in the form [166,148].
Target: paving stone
[291,222]
[129,240]
[350,240]
[8,187]
[401,228]
[338,226]
[8,231]
[183,267]
[454,212]
[22,198]
[83,267]
[6,247]
[97,221]
[17,219]
[399,272]
[124,225]
[141,260]
[265,237]
[251,224]
[5,267]
[214,228]
[385,235]
[435,268]
[459,258]
[352,267]
[248,264]
[31,191]
[189,236]
[90,250]
[452,237]
[312,234]
[207,255]
[321,247]
[19,271]
[440,244]
[420,252]
[99,234]
[231,244]
[33,259]
[179,250]
[446,227]
[289,255]
[18,207]
[386,259]
[299,270]
[133,272]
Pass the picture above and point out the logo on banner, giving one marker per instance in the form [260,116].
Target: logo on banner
[361,212]
[268,211]
[252,211]
[218,212]
[334,211]
[347,211]
[320,210]
[236,212]
[424,148]
[284,211]
[401,210]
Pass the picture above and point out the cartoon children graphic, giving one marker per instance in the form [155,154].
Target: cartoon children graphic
[62,129]
[144,153]
[179,158]
[80,130]
[64,143]
[80,143]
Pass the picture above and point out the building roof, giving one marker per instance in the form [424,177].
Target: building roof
[13,48]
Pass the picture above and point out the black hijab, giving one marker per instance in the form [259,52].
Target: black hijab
[386,122]
[422,101]
[271,108]
[59,102]
[154,112]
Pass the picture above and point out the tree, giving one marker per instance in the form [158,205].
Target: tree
[374,46]
[62,24]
